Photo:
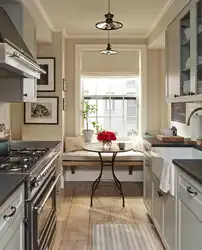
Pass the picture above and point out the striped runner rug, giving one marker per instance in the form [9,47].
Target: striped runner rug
[125,237]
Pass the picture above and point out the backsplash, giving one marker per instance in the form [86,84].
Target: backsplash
[182,128]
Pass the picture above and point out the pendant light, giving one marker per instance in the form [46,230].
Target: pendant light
[109,50]
[109,23]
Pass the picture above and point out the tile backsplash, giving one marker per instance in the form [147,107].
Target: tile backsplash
[182,128]
[5,114]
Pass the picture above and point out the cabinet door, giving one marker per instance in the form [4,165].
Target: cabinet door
[169,212]
[29,90]
[173,58]
[157,207]
[190,228]
[147,186]
[14,237]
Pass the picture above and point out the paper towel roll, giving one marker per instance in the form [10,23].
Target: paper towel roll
[196,127]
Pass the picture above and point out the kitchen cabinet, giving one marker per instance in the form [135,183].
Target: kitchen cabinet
[12,222]
[189,213]
[157,207]
[184,55]
[18,90]
[147,173]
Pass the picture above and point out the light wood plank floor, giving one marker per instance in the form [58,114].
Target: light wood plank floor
[75,219]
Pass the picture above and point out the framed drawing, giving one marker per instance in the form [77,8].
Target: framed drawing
[44,111]
[64,83]
[47,81]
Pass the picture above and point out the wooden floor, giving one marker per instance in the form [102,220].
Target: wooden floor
[75,219]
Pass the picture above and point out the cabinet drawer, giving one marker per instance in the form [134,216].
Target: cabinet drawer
[13,206]
[191,197]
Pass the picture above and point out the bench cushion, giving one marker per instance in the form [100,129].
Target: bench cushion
[83,155]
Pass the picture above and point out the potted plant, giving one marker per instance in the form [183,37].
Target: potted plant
[87,110]
[97,127]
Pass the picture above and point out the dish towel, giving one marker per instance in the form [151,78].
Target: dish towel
[167,181]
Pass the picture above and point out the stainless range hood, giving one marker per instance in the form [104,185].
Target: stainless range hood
[15,58]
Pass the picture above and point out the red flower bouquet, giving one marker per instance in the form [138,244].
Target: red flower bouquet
[106,137]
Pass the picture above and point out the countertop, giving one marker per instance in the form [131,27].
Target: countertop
[9,183]
[191,167]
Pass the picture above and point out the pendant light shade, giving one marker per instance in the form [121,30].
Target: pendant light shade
[109,50]
[109,23]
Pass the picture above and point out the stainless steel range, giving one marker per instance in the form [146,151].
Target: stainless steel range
[39,166]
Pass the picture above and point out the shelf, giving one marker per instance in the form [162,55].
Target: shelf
[189,98]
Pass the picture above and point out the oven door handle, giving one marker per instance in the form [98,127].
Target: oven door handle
[39,208]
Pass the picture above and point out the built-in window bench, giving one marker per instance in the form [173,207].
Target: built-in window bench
[74,161]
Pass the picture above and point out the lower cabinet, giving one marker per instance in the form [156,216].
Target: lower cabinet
[147,173]
[189,213]
[14,237]
[157,207]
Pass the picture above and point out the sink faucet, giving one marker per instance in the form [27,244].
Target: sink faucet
[190,115]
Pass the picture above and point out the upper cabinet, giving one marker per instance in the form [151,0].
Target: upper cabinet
[184,55]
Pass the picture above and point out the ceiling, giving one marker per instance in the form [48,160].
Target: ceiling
[78,17]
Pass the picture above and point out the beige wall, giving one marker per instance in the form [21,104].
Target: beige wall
[49,132]
[156,104]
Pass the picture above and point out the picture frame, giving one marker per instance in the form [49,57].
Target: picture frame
[64,85]
[46,83]
[44,111]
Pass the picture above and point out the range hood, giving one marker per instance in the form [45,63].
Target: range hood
[15,58]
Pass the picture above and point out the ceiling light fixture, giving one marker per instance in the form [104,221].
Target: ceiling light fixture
[109,50]
[109,23]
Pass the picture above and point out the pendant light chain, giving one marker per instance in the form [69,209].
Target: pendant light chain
[109,7]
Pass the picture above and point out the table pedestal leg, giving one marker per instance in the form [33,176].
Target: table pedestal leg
[116,180]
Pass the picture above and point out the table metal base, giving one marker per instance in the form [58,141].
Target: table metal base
[115,179]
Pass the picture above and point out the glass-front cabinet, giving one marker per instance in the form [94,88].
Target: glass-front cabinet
[184,55]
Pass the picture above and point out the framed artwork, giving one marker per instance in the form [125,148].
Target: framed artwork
[47,81]
[64,84]
[44,111]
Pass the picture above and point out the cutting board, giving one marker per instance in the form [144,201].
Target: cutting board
[170,138]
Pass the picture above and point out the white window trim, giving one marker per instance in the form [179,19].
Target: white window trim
[142,91]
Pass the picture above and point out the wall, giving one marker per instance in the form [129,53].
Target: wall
[5,114]
[50,132]
[157,108]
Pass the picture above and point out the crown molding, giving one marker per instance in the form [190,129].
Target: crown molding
[160,16]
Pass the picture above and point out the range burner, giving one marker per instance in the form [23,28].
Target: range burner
[21,160]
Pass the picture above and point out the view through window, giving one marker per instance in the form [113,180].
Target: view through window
[116,102]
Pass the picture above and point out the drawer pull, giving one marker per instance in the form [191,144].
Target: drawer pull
[11,214]
[191,192]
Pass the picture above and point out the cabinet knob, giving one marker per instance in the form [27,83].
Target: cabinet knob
[176,95]
[159,193]
[191,192]
[191,93]
[25,95]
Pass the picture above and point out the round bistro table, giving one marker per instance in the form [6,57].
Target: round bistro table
[113,151]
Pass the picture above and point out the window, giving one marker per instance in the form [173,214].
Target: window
[115,101]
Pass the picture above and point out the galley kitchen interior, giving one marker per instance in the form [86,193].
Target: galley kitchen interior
[100,125]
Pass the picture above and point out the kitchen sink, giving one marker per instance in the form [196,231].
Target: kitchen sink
[170,153]
[162,154]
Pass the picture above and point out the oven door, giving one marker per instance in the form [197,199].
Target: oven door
[44,216]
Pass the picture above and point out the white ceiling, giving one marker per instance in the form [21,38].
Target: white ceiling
[78,17]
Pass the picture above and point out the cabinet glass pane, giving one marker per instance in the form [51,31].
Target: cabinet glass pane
[199,47]
[185,55]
